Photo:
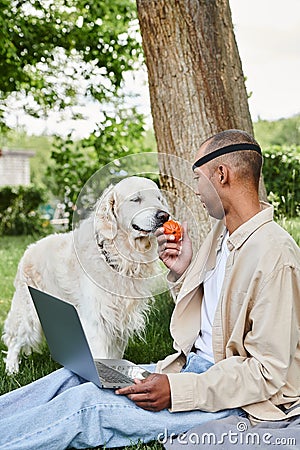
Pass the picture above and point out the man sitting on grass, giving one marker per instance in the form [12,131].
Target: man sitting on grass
[235,328]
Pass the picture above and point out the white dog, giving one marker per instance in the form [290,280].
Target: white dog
[104,267]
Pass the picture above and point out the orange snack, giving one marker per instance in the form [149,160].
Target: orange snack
[173,227]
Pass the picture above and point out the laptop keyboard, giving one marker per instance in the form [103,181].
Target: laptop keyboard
[110,375]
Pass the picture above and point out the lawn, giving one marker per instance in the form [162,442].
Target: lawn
[155,345]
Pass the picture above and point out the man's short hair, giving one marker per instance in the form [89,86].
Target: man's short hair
[248,163]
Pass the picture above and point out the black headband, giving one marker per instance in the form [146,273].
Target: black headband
[223,150]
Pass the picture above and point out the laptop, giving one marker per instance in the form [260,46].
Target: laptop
[69,347]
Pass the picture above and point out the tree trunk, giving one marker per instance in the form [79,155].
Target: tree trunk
[196,88]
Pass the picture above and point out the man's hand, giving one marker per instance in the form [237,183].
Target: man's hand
[152,394]
[176,256]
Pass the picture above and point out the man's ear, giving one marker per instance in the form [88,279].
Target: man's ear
[105,219]
[222,174]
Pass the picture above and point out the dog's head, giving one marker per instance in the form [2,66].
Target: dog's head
[135,205]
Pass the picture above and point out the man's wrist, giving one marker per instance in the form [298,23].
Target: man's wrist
[173,276]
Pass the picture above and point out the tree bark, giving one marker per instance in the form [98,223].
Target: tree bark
[196,88]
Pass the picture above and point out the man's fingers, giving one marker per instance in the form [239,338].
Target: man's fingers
[169,246]
[126,390]
[133,389]
[159,232]
[140,398]
[152,394]
[163,238]
[169,253]
[144,401]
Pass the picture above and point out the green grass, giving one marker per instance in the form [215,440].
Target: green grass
[155,345]
[11,250]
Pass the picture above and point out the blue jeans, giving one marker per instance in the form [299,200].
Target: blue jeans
[61,410]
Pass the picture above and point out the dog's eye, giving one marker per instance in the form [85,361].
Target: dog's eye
[135,199]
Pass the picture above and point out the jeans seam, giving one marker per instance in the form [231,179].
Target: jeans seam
[67,418]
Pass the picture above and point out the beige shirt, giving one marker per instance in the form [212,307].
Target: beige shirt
[256,327]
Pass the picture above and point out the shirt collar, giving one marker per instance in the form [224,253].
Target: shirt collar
[239,236]
[220,240]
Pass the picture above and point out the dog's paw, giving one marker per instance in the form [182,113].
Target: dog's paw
[12,369]
[11,365]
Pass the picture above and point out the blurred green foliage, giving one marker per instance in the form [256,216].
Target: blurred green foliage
[281,171]
[280,141]
[74,162]
[19,211]
[55,53]
[278,132]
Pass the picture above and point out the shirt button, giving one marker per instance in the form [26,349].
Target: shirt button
[230,246]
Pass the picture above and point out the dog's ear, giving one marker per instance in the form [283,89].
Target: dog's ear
[105,219]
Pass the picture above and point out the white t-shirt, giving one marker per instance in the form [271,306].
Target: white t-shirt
[212,286]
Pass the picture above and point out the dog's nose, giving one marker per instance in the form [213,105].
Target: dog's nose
[161,217]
